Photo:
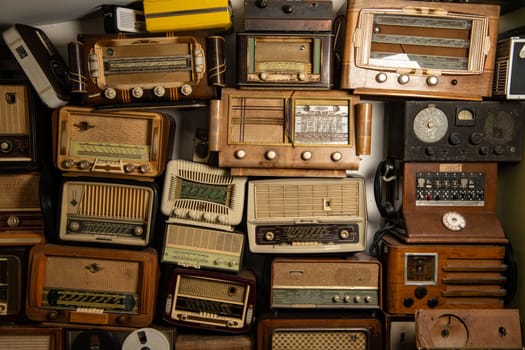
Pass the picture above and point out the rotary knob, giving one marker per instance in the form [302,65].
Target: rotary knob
[6,146]
[335,298]
[344,234]
[159,91]
[74,226]
[137,92]
[263,76]
[381,77]
[336,156]
[240,154]
[223,219]
[432,80]
[186,90]
[269,236]
[138,231]
[13,221]
[178,212]
[129,168]
[83,165]
[110,93]
[68,163]
[306,155]
[193,214]
[403,79]
[301,77]
[144,168]
[207,216]
[270,155]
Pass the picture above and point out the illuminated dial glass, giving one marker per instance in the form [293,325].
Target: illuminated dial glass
[430,124]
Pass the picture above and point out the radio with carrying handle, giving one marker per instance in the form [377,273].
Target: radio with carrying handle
[121,68]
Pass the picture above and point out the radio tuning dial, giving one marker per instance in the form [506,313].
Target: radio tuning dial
[178,212]
[193,214]
[301,77]
[357,299]
[347,299]
[144,168]
[454,139]
[368,299]
[344,234]
[432,80]
[430,124]
[207,216]
[335,298]
[74,225]
[223,219]
[454,221]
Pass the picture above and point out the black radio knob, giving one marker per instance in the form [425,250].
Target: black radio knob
[430,151]
[483,150]
[454,139]
[432,302]
[408,302]
[420,292]
[476,138]
[287,9]
[498,150]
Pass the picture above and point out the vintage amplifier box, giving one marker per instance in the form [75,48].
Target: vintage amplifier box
[21,219]
[441,276]
[288,16]
[121,68]
[304,215]
[18,125]
[421,49]
[199,247]
[126,143]
[319,332]
[510,61]
[282,60]
[41,62]
[13,275]
[189,341]
[326,283]
[29,336]
[468,329]
[211,300]
[289,133]
[450,202]
[203,195]
[158,338]
[166,15]
[455,131]
[89,285]
[96,211]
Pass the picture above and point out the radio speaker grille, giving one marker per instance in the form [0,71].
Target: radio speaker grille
[24,342]
[319,340]
[203,287]
[206,239]
[19,191]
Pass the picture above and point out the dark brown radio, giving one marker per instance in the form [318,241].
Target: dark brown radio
[450,203]
[454,131]
[284,60]
[319,332]
[13,274]
[421,49]
[138,68]
[27,336]
[88,285]
[441,276]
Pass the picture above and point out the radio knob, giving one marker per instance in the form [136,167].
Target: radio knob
[335,298]
[420,292]
[223,219]
[287,9]
[218,261]
[403,79]
[263,76]
[270,155]
[159,91]
[408,302]
[301,76]
[13,221]
[357,299]
[368,299]
[240,154]
[430,151]
[344,234]
[454,139]
[193,214]
[207,216]
[110,93]
[138,231]
[269,236]
[53,315]
[74,226]
[336,156]
[476,138]
[83,165]
[186,89]
[68,163]
[232,323]
[484,150]
[306,155]
[144,168]
[432,80]
[432,302]
[498,150]
[129,168]
[122,319]
[347,299]
[137,92]
[178,212]
[233,263]
[262,3]
[381,77]
[6,146]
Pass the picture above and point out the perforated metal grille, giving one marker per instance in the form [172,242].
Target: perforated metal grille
[320,340]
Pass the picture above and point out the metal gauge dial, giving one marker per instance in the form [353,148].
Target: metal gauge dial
[454,221]
[430,124]
[499,126]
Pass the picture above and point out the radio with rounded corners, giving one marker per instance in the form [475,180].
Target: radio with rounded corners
[93,286]
[29,336]
[420,49]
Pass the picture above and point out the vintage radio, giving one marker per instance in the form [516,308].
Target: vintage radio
[470,131]
[440,276]
[27,336]
[350,283]
[197,247]
[107,213]
[17,126]
[13,268]
[89,285]
[468,329]
[41,62]
[21,220]
[120,143]
[141,68]
[284,60]
[510,61]
[115,339]
[165,15]
[214,341]
[399,331]
[304,215]
[289,16]
[319,332]
[422,49]
[450,202]
[203,195]
[289,133]
[215,301]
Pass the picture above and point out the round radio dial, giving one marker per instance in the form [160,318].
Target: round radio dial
[430,124]
[13,221]
[6,146]
[454,221]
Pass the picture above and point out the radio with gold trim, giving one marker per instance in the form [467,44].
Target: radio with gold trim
[28,336]
[288,16]
[468,329]
[450,202]
[13,267]
[216,301]
[107,213]
[305,215]
[289,133]
[140,68]
[89,285]
[510,61]
[131,144]
[203,195]
[306,283]
[421,49]
[21,219]
[440,276]
[296,332]
[284,60]
[197,247]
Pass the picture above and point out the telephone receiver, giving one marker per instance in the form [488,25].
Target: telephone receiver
[386,175]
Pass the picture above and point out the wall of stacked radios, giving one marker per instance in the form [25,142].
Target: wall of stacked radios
[185,178]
